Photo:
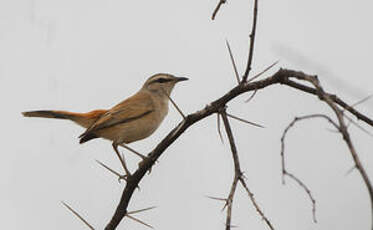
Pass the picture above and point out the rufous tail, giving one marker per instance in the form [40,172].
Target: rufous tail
[49,114]
[83,119]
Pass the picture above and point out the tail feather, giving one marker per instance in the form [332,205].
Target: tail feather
[88,137]
[49,114]
[82,119]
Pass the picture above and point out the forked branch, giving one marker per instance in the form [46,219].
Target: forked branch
[332,101]
[238,176]
[282,76]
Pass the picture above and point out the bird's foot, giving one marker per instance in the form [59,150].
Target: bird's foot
[145,161]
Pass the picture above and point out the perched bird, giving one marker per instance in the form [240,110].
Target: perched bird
[133,119]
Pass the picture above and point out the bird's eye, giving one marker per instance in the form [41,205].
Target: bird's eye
[162,80]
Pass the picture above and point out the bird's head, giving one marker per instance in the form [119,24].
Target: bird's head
[162,83]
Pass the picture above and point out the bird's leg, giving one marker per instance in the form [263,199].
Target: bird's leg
[134,151]
[138,154]
[122,161]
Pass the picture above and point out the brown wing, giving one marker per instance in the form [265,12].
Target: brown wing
[132,108]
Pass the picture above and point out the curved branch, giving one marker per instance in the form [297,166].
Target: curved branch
[280,77]
[342,128]
[285,172]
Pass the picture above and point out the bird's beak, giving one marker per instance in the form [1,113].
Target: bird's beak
[181,79]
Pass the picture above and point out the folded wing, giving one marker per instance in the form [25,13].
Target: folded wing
[131,109]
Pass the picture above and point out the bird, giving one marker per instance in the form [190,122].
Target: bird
[133,119]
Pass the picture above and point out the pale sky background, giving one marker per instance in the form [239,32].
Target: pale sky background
[80,55]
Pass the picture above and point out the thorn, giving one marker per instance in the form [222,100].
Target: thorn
[141,210]
[120,177]
[362,100]
[233,62]
[139,221]
[217,198]
[265,70]
[175,105]
[245,121]
[252,96]
[350,170]
[219,130]
[77,215]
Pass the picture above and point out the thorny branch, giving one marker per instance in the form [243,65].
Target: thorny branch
[285,172]
[238,176]
[282,76]
[237,169]
[343,130]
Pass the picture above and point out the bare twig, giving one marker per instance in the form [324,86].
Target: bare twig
[77,215]
[334,98]
[233,62]
[252,42]
[332,101]
[292,176]
[221,2]
[238,176]
[297,119]
[308,191]
[346,136]
[237,170]
[251,195]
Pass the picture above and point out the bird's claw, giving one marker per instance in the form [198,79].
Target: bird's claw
[141,164]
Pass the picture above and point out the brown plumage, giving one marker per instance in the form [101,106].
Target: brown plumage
[135,118]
